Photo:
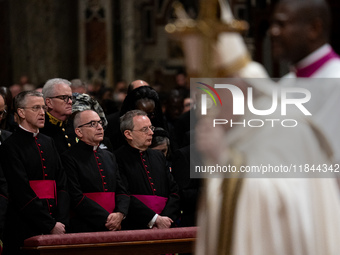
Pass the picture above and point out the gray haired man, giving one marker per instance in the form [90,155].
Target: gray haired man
[58,99]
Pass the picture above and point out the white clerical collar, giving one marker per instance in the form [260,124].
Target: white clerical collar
[95,147]
[314,56]
[34,134]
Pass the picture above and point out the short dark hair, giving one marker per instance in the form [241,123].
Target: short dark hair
[21,98]
[312,10]
[76,118]
[126,121]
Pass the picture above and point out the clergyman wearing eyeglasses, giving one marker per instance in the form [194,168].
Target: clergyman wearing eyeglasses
[154,199]
[35,177]
[99,199]
[58,99]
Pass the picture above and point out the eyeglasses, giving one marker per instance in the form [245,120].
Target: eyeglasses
[92,123]
[146,129]
[36,108]
[3,113]
[65,98]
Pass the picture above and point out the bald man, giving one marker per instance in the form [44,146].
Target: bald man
[136,84]
[100,201]
[113,131]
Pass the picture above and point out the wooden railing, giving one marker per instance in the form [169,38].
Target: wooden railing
[151,241]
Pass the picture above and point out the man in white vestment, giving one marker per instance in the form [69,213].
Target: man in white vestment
[300,33]
[266,216]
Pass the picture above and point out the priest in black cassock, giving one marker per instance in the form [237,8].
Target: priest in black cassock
[35,177]
[100,201]
[3,205]
[154,200]
[3,184]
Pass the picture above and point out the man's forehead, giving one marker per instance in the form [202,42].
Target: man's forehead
[139,83]
[287,10]
[141,120]
[90,115]
[62,88]
[35,99]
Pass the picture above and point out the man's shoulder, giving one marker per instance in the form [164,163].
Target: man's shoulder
[153,152]
[79,149]
[5,134]
[15,138]
[329,69]
[51,125]
[156,155]
[71,152]
[122,150]
[105,152]
[44,137]
[20,138]
[49,129]
[47,142]
[12,139]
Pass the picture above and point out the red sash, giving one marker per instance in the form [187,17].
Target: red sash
[44,189]
[104,199]
[155,203]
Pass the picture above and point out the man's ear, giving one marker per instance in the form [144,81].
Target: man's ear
[127,134]
[78,132]
[21,113]
[48,103]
